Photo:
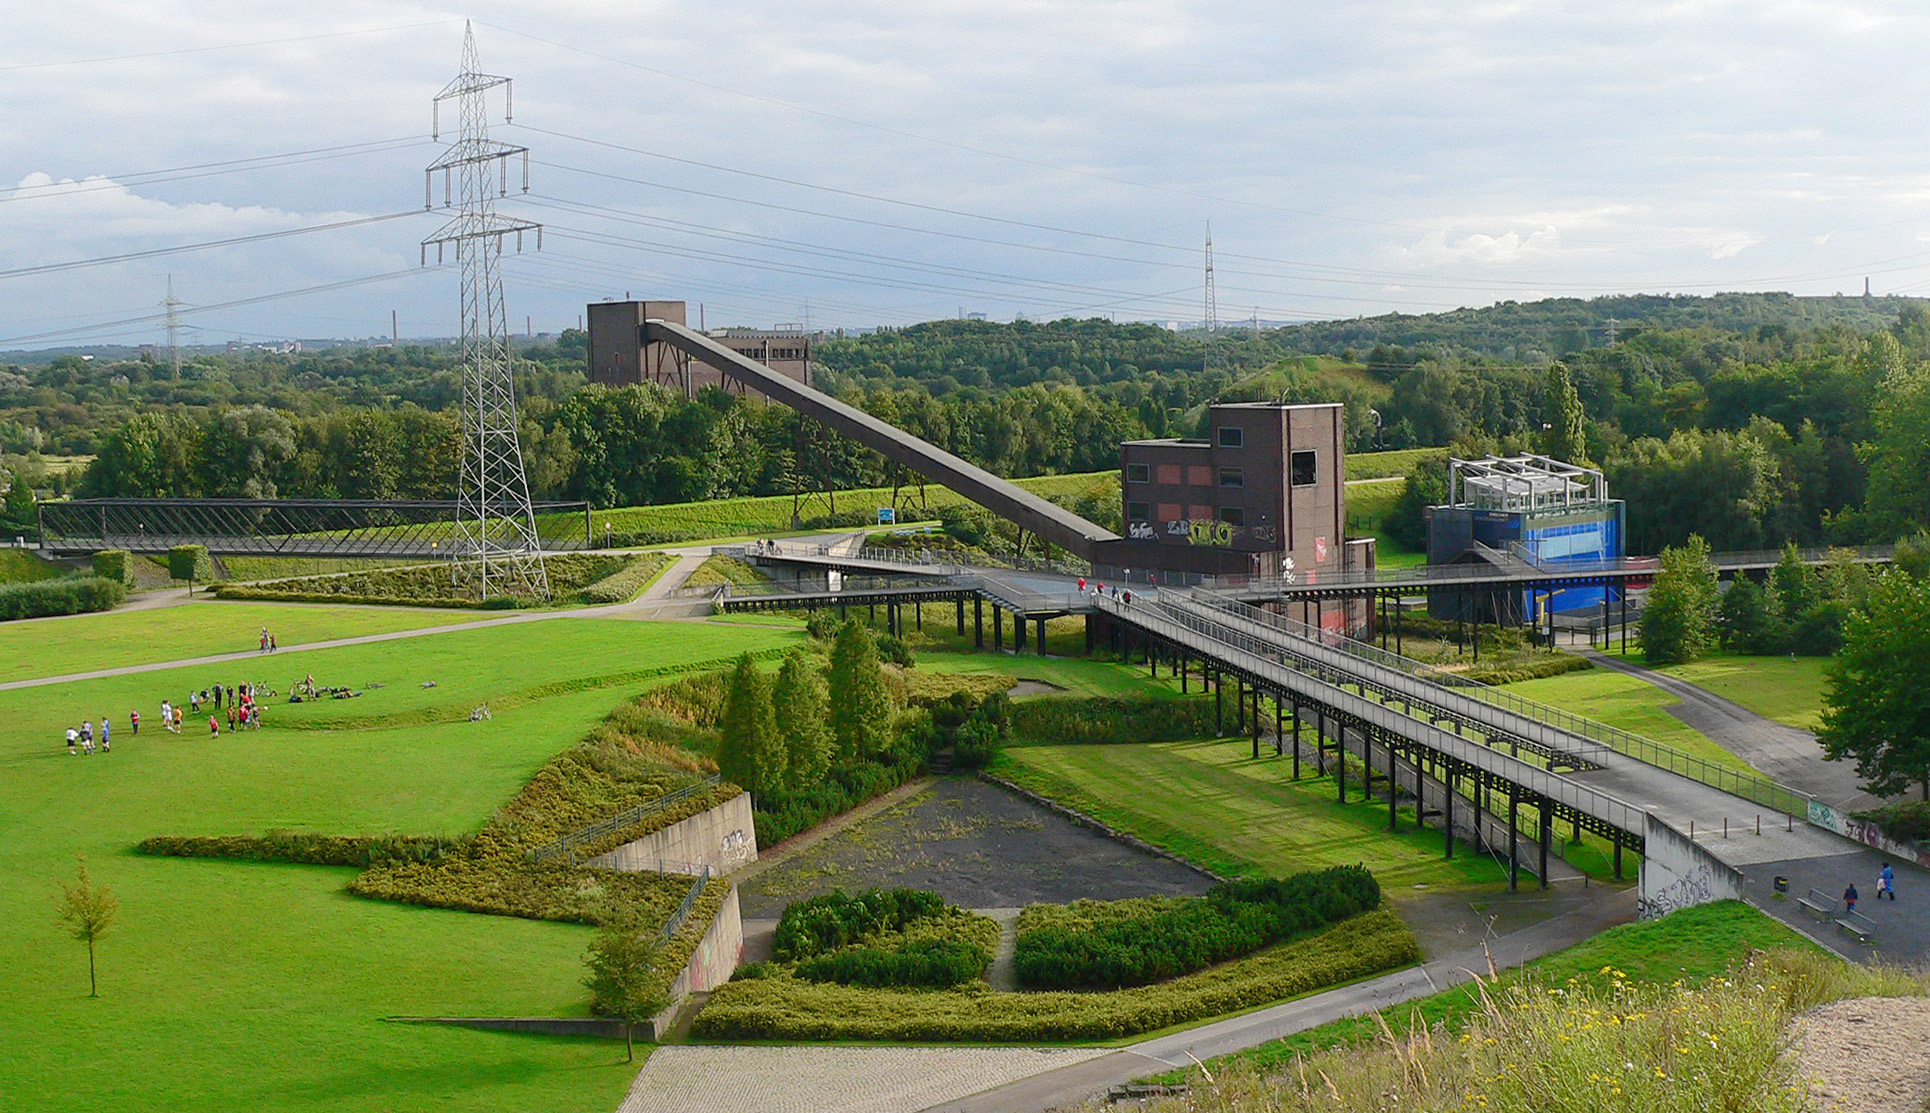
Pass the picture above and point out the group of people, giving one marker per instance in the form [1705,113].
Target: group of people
[81,740]
[1885,887]
[1099,589]
[267,641]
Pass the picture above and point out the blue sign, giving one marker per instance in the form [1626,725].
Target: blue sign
[887,516]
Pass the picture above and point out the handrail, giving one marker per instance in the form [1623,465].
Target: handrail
[676,921]
[628,817]
[1582,798]
[1761,790]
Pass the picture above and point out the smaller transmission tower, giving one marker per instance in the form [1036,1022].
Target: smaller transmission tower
[172,323]
[497,542]
[1211,321]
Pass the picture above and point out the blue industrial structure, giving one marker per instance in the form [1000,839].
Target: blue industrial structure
[1525,509]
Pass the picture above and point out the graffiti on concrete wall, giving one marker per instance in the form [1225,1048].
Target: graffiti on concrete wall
[1697,886]
[1865,832]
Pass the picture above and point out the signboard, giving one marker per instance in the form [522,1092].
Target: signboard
[887,516]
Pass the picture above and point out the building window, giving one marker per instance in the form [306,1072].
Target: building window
[1232,477]
[1138,512]
[1305,471]
[1232,436]
[1232,515]
[1139,473]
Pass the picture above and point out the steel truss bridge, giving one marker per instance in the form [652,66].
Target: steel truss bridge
[283,527]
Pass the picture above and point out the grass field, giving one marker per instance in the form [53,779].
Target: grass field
[1380,465]
[1630,703]
[1692,944]
[18,566]
[1233,814]
[83,643]
[231,985]
[1786,689]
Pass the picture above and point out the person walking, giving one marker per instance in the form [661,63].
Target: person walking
[106,744]
[271,643]
[264,639]
[214,727]
[231,720]
[134,722]
[1886,883]
[1849,898]
[87,735]
[73,741]
[180,720]
[167,716]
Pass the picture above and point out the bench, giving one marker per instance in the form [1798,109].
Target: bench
[1818,902]
[1857,924]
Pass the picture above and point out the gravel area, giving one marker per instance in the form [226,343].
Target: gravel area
[978,846]
[1868,1054]
[702,1079]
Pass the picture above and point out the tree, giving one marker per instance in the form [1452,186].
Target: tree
[1899,455]
[622,976]
[88,910]
[1679,623]
[1749,623]
[1426,485]
[860,705]
[1565,436]
[1793,585]
[800,704]
[17,517]
[1876,706]
[750,753]
[243,451]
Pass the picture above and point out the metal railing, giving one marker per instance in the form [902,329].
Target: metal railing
[1749,786]
[628,817]
[1207,635]
[676,921]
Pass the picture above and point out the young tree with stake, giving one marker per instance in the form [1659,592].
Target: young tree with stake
[88,910]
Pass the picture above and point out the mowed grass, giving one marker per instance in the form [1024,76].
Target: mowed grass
[229,985]
[1211,802]
[18,566]
[115,639]
[1786,689]
[1630,703]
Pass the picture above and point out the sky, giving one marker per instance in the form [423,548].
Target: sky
[870,163]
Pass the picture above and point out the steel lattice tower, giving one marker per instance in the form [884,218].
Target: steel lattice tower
[497,544]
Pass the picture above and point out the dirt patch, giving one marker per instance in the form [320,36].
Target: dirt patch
[1867,1054]
[1033,688]
[978,846]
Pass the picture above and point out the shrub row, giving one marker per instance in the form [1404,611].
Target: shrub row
[844,788]
[928,963]
[305,847]
[1534,668]
[626,582]
[838,919]
[116,565]
[780,1007]
[503,886]
[1234,918]
[1109,720]
[421,585]
[68,595]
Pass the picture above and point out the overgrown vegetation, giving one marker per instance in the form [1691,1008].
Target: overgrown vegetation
[781,1006]
[67,595]
[440,585]
[884,938]
[1109,721]
[1233,918]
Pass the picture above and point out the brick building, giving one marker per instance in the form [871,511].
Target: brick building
[619,356]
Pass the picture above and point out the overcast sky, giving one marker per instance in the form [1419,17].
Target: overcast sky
[867,162]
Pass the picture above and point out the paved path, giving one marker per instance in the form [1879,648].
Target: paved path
[1074,1083]
[827,1079]
[1785,754]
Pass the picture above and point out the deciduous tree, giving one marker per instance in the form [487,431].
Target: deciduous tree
[88,910]
[1876,708]
[1679,623]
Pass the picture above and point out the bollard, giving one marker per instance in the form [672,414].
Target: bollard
[1759,825]
[1725,826]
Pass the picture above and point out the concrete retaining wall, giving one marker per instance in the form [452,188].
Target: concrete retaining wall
[710,965]
[1869,834]
[1676,873]
[723,838]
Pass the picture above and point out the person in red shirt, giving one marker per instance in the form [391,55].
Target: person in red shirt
[214,727]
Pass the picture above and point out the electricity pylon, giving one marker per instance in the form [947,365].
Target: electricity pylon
[496,541]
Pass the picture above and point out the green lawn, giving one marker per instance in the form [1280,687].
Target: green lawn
[1786,689]
[1378,465]
[18,566]
[1630,703]
[1692,944]
[233,985]
[1211,802]
[1078,675]
[82,643]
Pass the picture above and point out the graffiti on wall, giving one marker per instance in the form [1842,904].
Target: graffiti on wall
[737,847]
[1865,832]
[1697,886]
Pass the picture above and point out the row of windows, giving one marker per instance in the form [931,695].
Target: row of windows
[773,353]
[1169,512]
[1304,469]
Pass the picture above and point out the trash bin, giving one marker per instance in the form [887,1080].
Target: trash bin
[1782,883]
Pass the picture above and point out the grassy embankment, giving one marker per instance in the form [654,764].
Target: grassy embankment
[230,985]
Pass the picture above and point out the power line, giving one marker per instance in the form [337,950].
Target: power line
[102,260]
[235,304]
[94,182]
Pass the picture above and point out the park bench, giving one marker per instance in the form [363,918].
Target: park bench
[1857,924]
[1818,902]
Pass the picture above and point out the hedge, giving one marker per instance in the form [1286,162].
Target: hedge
[190,563]
[844,788]
[115,565]
[837,919]
[1104,720]
[1234,918]
[68,595]
[304,847]
[782,1007]
[417,585]
[503,886]
[626,582]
